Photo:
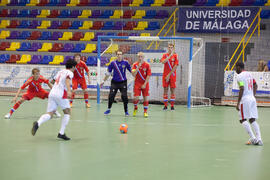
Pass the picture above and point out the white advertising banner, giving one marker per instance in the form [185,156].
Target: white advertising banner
[262,79]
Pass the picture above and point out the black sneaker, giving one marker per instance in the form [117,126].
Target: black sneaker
[64,137]
[165,108]
[172,108]
[35,128]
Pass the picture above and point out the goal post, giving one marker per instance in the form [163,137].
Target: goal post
[184,47]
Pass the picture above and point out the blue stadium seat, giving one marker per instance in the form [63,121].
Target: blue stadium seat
[24,13]
[4,58]
[150,14]
[153,25]
[265,14]
[91,61]
[108,25]
[24,35]
[25,46]
[106,14]
[53,3]
[64,13]
[24,24]
[45,35]
[259,2]
[23,2]
[211,2]
[76,25]
[46,59]
[79,48]
[105,3]
[147,3]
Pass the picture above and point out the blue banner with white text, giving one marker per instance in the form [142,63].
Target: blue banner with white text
[216,20]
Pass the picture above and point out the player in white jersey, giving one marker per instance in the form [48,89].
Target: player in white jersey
[246,104]
[58,97]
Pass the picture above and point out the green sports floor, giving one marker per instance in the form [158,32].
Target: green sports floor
[197,144]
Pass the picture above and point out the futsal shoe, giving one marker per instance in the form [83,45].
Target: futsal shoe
[87,105]
[64,137]
[172,108]
[57,114]
[107,112]
[252,141]
[35,128]
[145,114]
[7,116]
[126,113]
[165,108]
[135,112]
[259,143]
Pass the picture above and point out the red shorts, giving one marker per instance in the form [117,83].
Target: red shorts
[30,95]
[171,83]
[81,82]
[138,90]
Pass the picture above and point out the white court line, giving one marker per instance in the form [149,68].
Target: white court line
[168,124]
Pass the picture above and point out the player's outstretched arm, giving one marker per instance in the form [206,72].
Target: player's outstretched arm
[88,75]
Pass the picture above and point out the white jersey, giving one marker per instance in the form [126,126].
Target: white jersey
[59,88]
[245,79]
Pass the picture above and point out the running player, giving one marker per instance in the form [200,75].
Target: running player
[34,90]
[170,61]
[246,104]
[141,71]
[79,79]
[119,81]
[58,97]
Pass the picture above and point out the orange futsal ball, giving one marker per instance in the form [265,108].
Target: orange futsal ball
[123,128]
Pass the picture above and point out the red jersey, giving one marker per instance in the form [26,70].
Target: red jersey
[143,72]
[79,70]
[34,85]
[168,66]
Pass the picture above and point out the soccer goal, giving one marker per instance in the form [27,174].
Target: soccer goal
[190,72]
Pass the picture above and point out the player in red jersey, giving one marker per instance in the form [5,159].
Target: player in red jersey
[79,79]
[170,61]
[34,90]
[141,71]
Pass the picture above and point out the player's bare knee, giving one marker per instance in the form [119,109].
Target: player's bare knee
[251,120]
[66,111]
[243,120]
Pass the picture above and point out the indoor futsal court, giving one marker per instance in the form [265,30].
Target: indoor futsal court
[146,90]
[199,143]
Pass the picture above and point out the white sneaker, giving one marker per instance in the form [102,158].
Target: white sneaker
[7,116]
[259,143]
[57,114]
[252,141]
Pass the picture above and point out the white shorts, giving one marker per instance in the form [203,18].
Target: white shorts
[54,102]
[248,109]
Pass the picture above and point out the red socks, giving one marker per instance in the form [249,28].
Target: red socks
[145,105]
[86,97]
[172,100]
[16,106]
[135,102]
[165,99]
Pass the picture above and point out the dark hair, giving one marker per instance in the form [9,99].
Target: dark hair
[77,55]
[35,70]
[70,63]
[240,64]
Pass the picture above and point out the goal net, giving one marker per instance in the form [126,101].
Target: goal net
[190,72]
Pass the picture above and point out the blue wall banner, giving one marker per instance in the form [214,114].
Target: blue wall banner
[216,20]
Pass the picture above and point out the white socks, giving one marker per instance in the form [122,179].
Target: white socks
[64,123]
[256,128]
[247,127]
[43,119]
